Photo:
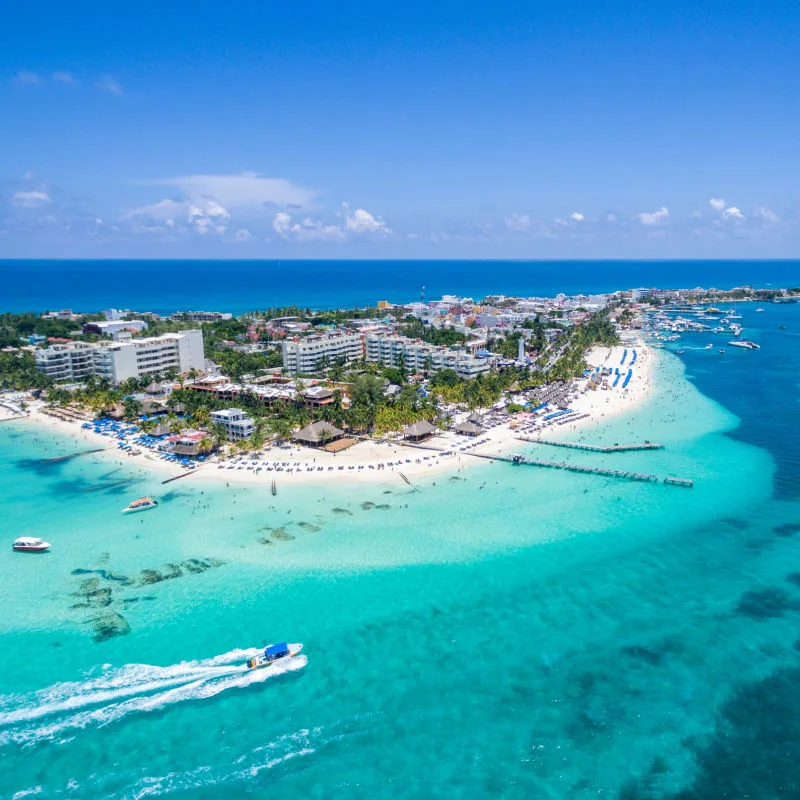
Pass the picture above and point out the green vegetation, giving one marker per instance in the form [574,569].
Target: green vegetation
[14,327]
[415,329]
[597,330]
[18,371]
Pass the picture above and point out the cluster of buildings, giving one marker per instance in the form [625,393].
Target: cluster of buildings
[117,361]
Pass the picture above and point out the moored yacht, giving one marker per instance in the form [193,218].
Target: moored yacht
[273,653]
[745,343]
[142,504]
[30,544]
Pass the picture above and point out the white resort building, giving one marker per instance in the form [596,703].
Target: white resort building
[306,354]
[237,424]
[117,361]
[418,356]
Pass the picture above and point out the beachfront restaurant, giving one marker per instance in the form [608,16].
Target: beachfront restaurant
[419,431]
[467,428]
[318,434]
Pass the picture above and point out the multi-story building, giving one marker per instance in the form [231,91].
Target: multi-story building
[110,327]
[117,361]
[202,316]
[66,362]
[418,356]
[236,423]
[309,353]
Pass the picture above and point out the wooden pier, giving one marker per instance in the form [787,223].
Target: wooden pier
[72,455]
[685,482]
[178,477]
[595,448]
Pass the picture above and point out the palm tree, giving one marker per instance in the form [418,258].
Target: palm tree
[176,424]
[205,445]
[133,408]
[201,417]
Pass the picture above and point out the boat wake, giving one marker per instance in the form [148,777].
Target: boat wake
[49,714]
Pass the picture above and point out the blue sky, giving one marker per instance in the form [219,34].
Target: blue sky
[413,130]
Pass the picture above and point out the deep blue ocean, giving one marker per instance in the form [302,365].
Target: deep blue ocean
[239,286]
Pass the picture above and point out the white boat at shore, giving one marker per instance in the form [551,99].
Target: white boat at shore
[745,343]
[142,504]
[273,653]
[30,544]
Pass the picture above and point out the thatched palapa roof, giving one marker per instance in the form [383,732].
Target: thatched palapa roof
[468,428]
[419,429]
[317,433]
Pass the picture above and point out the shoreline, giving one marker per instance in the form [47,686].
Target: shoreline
[369,461]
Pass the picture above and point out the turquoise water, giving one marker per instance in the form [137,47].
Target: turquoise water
[501,631]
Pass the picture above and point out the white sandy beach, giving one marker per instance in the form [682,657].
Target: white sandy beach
[369,461]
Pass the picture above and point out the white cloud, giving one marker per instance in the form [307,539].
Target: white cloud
[518,222]
[576,216]
[717,203]
[733,213]
[27,78]
[305,231]
[611,217]
[204,216]
[654,218]
[209,218]
[162,210]
[245,190]
[109,84]
[242,235]
[32,199]
[64,77]
[766,215]
[361,221]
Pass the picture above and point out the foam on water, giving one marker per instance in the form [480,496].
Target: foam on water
[135,688]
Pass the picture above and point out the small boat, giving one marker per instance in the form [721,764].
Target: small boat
[722,349]
[708,347]
[680,352]
[30,544]
[759,311]
[142,504]
[273,653]
[745,343]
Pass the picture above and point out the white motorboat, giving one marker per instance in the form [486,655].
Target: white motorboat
[142,504]
[273,653]
[745,343]
[30,544]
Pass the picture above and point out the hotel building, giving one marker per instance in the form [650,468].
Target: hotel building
[306,354]
[236,423]
[117,361]
[418,356]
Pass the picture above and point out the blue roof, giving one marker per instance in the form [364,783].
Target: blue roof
[276,649]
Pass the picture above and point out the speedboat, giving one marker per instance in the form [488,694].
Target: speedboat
[745,343]
[30,544]
[273,653]
[142,504]
[708,347]
[759,311]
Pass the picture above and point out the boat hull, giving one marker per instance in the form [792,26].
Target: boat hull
[259,662]
[29,549]
[138,509]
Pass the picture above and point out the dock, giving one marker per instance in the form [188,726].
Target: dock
[595,448]
[72,455]
[178,477]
